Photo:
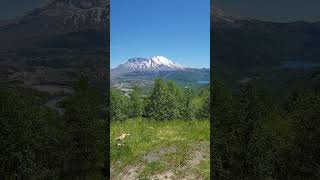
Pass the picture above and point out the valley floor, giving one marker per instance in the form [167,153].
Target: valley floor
[176,149]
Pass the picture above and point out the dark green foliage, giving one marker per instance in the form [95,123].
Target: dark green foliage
[250,114]
[254,138]
[305,113]
[204,111]
[84,143]
[136,103]
[30,136]
[223,132]
[119,105]
[188,108]
[38,143]
[172,100]
[156,107]
[165,101]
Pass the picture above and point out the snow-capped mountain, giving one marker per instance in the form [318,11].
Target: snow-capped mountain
[54,18]
[152,64]
[64,16]
[142,71]
[78,12]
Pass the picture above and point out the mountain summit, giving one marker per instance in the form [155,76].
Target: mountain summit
[141,72]
[54,19]
[152,64]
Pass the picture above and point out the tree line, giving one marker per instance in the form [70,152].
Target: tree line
[165,101]
[37,143]
[256,138]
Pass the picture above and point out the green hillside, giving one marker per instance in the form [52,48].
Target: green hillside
[155,149]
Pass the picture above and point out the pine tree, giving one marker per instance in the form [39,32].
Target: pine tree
[172,101]
[85,142]
[251,113]
[223,132]
[136,103]
[119,106]
[304,111]
[188,109]
[204,109]
[156,102]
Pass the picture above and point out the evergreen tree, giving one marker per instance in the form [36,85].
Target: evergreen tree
[251,114]
[304,111]
[172,101]
[204,109]
[119,106]
[85,140]
[156,102]
[223,132]
[136,103]
[187,106]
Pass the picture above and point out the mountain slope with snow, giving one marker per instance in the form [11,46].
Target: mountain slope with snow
[152,64]
[56,18]
[142,71]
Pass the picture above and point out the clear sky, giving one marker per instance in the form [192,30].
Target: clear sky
[176,29]
[272,10]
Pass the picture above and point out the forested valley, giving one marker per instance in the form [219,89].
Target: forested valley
[38,143]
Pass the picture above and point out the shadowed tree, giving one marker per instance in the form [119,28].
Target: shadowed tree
[85,141]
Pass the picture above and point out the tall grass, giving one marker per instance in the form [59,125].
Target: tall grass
[149,135]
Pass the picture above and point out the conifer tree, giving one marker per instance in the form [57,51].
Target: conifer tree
[84,142]
[172,101]
[188,109]
[119,106]
[156,103]
[304,110]
[251,112]
[136,103]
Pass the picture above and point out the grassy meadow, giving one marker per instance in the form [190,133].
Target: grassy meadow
[172,149]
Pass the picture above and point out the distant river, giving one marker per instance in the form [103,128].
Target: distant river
[53,104]
[299,64]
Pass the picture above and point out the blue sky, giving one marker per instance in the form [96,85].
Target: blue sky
[176,29]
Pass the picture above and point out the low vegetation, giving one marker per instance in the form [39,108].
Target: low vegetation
[165,101]
[169,133]
[175,148]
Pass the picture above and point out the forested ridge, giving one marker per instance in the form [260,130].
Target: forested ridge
[255,137]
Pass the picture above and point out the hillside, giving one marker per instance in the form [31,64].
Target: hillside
[282,56]
[53,19]
[49,47]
